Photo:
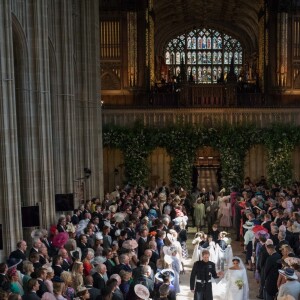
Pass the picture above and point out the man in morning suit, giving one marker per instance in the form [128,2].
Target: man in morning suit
[142,242]
[271,273]
[200,281]
[33,286]
[100,277]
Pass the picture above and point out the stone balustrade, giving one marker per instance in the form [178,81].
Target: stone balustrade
[205,116]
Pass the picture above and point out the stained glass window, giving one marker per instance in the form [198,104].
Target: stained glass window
[206,54]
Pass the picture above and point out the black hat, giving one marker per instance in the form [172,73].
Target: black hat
[57,279]
[13,262]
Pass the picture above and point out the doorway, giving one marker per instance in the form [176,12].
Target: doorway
[207,163]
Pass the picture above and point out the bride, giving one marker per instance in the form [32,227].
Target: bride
[234,285]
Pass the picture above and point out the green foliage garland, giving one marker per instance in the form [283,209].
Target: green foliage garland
[181,143]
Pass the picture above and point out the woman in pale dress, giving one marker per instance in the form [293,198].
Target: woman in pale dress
[225,213]
[199,214]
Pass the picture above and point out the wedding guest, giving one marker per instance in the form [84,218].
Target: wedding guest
[248,247]
[271,273]
[292,285]
[200,280]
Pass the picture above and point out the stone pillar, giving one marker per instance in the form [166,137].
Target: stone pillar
[66,98]
[90,69]
[10,216]
[42,100]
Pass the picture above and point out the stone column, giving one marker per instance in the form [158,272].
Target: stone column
[90,68]
[42,101]
[66,96]
[10,202]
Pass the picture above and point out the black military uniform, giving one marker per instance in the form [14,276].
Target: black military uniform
[200,280]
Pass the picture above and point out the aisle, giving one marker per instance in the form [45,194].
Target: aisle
[185,278]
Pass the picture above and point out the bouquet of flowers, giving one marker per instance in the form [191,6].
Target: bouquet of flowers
[239,283]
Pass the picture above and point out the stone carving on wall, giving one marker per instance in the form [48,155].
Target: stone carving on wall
[110,76]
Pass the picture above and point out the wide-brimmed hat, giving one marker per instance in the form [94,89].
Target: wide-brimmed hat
[292,261]
[98,260]
[13,262]
[257,228]
[170,237]
[260,233]
[168,259]
[130,244]
[119,217]
[288,273]
[36,234]
[164,273]
[248,225]
[141,291]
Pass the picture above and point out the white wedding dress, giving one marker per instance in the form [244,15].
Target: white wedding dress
[227,287]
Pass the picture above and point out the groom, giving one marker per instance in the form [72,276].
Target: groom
[200,281]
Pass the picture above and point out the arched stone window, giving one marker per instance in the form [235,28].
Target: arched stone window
[205,53]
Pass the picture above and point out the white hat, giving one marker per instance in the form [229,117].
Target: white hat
[119,217]
[98,260]
[141,291]
[168,259]
[269,242]
[99,236]
[159,275]
[248,225]
[288,273]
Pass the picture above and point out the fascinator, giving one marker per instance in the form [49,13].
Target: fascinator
[60,239]
[141,291]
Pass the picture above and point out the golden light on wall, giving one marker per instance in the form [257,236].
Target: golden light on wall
[132,48]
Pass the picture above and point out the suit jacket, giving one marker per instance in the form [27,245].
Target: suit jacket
[117,295]
[109,267]
[267,225]
[32,250]
[31,296]
[75,219]
[141,246]
[271,273]
[131,234]
[57,270]
[94,293]
[4,280]
[66,265]
[213,208]
[18,254]
[118,268]
[43,288]
[107,240]
[99,282]
[154,257]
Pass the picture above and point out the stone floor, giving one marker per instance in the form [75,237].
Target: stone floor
[184,279]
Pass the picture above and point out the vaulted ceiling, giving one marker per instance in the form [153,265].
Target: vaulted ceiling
[238,18]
